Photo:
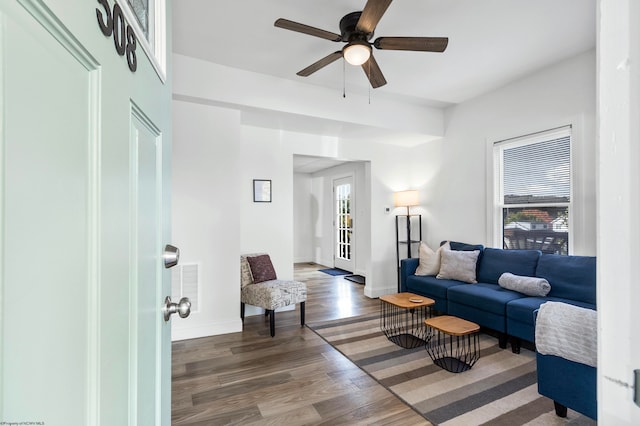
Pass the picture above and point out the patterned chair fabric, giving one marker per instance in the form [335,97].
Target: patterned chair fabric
[269,295]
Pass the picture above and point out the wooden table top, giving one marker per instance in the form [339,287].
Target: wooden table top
[403,300]
[452,325]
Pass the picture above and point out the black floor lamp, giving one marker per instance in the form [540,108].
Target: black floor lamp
[407,199]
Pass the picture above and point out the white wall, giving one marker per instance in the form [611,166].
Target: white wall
[457,175]
[618,206]
[305,214]
[206,224]
[266,227]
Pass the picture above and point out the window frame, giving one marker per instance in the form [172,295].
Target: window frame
[156,50]
[495,148]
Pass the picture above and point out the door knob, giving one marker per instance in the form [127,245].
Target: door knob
[171,256]
[183,308]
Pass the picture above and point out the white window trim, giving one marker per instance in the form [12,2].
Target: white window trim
[494,184]
[158,28]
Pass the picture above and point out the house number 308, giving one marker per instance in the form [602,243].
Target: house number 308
[124,38]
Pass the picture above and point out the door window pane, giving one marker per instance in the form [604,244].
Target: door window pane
[343,221]
[141,11]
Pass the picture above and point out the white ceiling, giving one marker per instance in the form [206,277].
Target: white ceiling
[310,164]
[491,43]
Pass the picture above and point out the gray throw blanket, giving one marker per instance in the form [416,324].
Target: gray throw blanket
[567,331]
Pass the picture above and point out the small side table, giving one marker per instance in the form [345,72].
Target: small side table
[454,344]
[402,317]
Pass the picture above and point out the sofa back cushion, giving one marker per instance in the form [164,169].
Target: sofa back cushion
[571,277]
[496,262]
[455,245]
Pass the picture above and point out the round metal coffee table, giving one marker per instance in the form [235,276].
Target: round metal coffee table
[402,317]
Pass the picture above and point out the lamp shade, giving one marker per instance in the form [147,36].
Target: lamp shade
[406,198]
[356,53]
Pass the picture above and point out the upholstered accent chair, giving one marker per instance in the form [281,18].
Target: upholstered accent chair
[260,287]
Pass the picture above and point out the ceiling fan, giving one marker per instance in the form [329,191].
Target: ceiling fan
[356,29]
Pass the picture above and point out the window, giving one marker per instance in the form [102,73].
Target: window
[533,191]
[343,220]
[148,19]
[141,11]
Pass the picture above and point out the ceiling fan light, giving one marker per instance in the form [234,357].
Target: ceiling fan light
[357,53]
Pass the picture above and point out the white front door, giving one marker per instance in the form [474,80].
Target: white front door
[84,214]
[344,210]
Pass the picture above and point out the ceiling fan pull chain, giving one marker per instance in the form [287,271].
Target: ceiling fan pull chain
[369,85]
[344,78]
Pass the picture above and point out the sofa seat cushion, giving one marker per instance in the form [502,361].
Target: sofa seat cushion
[430,285]
[522,309]
[495,262]
[484,296]
[274,294]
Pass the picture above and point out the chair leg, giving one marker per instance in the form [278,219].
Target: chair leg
[272,322]
[301,314]
[242,311]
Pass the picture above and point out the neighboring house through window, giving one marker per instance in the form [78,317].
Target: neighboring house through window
[533,191]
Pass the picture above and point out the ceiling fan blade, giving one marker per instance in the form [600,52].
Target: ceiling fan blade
[306,29]
[320,64]
[420,44]
[371,14]
[374,73]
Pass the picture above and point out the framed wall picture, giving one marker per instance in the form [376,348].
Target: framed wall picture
[261,191]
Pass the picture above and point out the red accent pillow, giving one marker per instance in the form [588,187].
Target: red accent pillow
[261,268]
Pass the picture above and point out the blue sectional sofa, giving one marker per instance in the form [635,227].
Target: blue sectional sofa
[510,313]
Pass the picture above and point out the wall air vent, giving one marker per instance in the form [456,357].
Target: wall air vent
[185,282]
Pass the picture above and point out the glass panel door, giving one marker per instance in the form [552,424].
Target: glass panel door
[343,208]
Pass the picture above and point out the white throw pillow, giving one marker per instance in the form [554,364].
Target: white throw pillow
[459,265]
[429,259]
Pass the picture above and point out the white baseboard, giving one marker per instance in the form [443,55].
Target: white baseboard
[325,262]
[205,330]
[379,291]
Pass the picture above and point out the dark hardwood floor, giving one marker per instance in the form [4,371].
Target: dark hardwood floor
[294,378]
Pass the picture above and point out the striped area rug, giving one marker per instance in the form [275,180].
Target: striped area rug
[500,389]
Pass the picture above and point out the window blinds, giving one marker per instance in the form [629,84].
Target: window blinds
[536,169]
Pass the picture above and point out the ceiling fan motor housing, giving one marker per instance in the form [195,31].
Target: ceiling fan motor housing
[348,28]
